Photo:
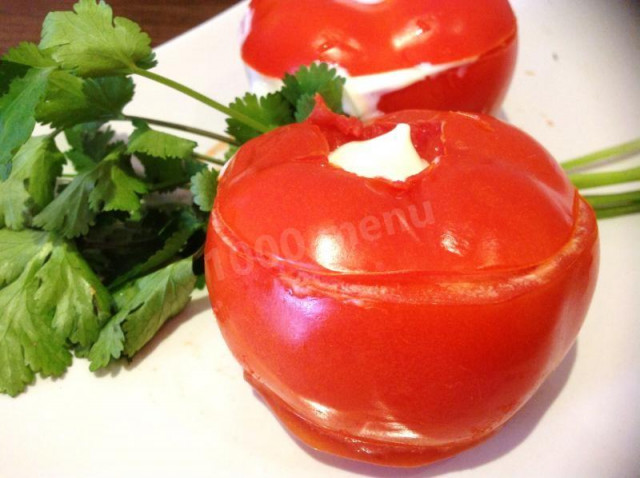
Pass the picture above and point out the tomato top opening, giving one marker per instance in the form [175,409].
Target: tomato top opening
[491,199]
[372,38]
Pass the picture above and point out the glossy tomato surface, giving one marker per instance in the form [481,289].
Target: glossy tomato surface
[479,39]
[399,322]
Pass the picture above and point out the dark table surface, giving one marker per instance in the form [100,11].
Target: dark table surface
[21,20]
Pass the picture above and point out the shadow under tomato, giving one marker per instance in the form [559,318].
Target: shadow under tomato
[514,432]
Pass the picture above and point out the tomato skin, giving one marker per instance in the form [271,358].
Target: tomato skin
[479,87]
[397,366]
[393,35]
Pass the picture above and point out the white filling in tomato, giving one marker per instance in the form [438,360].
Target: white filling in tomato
[390,156]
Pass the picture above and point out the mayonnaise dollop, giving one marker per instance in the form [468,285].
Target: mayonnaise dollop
[390,156]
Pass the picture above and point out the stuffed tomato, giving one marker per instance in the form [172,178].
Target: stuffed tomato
[396,54]
[398,321]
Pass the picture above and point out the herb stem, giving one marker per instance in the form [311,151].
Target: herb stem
[606,212]
[199,253]
[617,199]
[592,180]
[209,159]
[181,127]
[55,132]
[592,159]
[172,184]
[202,98]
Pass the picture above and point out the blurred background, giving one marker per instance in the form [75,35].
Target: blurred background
[21,20]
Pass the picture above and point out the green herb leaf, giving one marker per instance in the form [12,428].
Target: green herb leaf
[109,345]
[90,139]
[186,225]
[159,144]
[165,175]
[17,114]
[300,88]
[71,100]
[304,107]
[90,42]
[31,184]
[115,243]
[29,344]
[69,213]
[272,110]
[105,187]
[203,187]
[116,190]
[48,297]
[29,54]
[294,102]
[80,303]
[90,143]
[143,307]
[8,72]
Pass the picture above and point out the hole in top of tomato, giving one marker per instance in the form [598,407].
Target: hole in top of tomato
[390,156]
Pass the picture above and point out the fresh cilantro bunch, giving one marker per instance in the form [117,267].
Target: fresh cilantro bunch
[95,256]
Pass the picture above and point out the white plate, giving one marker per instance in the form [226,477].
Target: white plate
[182,407]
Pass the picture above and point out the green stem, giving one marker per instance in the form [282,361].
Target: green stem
[592,180]
[168,185]
[209,159]
[603,213]
[591,159]
[610,200]
[202,98]
[181,127]
[55,133]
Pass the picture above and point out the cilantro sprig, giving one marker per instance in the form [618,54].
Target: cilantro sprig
[98,245]
[50,300]
[292,103]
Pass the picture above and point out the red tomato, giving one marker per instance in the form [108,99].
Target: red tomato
[399,322]
[390,35]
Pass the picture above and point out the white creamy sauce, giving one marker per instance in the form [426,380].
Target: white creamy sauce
[262,84]
[362,93]
[390,156]
[245,25]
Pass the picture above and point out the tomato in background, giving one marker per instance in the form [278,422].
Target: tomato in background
[477,40]
[392,322]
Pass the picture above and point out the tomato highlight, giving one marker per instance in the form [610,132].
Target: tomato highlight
[399,322]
